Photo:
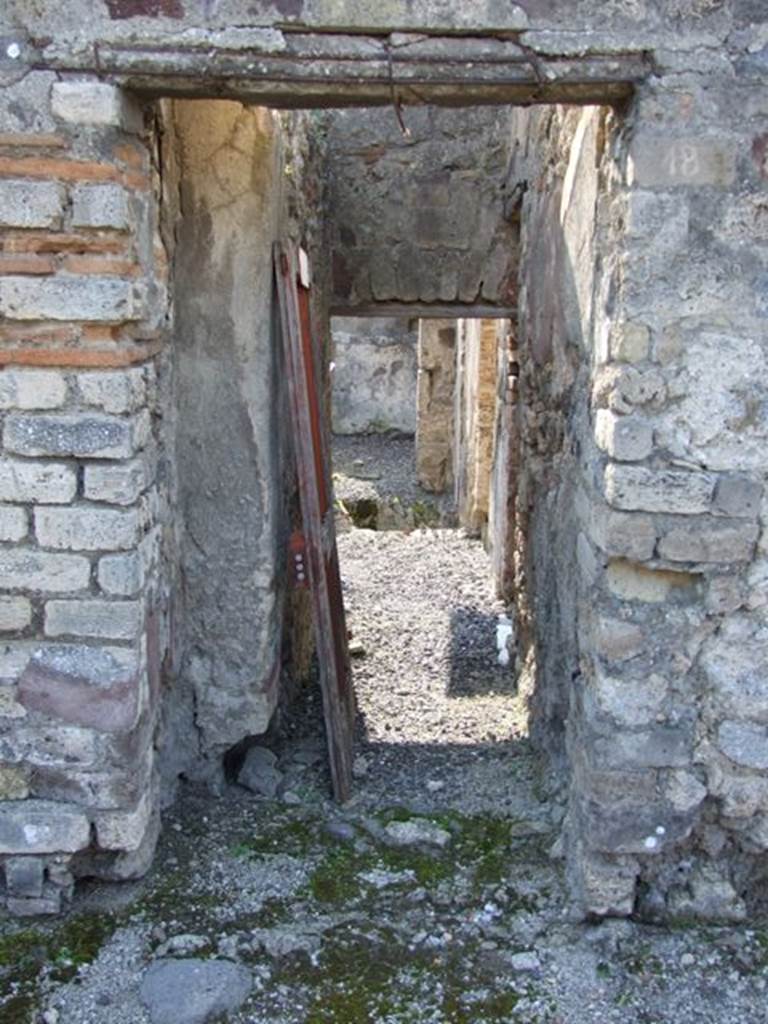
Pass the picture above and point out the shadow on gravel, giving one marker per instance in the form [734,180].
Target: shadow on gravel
[474,668]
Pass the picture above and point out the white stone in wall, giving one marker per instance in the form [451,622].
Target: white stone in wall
[684,791]
[42,826]
[25,108]
[121,575]
[13,523]
[630,582]
[655,746]
[718,541]
[741,796]
[115,620]
[114,391]
[14,782]
[604,885]
[94,103]
[737,495]
[100,206]
[14,657]
[124,830]
[70,297]
[713,422]
[620,534]
[57,746]
[626,438]
[15,613]
[9,706]
[735,664]
[725,594]
[658,490]
[745,743]
[32,389]
[630,343]
[669,161]
[87,529]
[616,640]
[30,569]
[630,702]
[31,204]
[120,483]
[46,483]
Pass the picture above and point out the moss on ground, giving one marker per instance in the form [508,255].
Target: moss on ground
[286,835]
[356,979]
[62,949]
[364,978]
[486,845]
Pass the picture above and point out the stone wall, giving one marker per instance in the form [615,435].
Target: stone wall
[675,410]
[235,179]
[640,499]
[141,643]
[374,375]
[640,511]
[82,484]
[505,465]
[420,219]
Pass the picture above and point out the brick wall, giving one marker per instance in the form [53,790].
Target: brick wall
[436,384]
[82,307]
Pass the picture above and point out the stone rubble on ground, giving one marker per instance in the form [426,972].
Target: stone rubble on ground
[259,772]
[193,991]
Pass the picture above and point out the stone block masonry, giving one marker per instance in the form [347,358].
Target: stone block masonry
[648,544]
[82,301]
[420,219]
[639,508]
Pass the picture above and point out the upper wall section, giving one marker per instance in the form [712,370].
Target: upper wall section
[374,375]
[303,54]
[421,219]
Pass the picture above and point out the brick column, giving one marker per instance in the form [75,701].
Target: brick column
[476,408]
[82,302]
[435,401]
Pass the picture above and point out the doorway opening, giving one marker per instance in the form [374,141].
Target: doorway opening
[419,421]
[429,231]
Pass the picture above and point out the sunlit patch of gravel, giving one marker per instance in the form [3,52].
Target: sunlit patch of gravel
[441,722]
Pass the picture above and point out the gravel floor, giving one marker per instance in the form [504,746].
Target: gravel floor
[431,898]
[382,468]
[439,718]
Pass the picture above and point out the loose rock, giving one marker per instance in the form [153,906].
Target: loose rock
[258,772]
[416,832]
[193,991]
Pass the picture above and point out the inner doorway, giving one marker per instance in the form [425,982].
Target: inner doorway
[440,680]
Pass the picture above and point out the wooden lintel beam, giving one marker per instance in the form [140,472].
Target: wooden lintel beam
[427,310]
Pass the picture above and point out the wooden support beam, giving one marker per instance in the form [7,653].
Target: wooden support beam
[306,69]
[426,310]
